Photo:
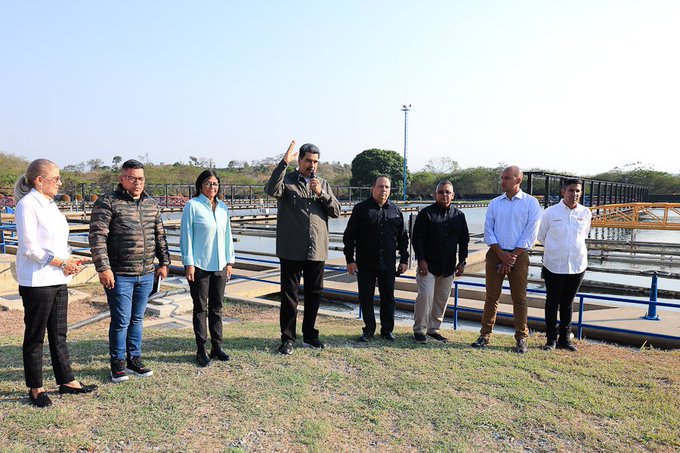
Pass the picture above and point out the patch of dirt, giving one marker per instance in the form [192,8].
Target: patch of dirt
[12,321]
[249,312]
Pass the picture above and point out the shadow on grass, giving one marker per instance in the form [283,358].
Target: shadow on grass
[164,349]
[90,358]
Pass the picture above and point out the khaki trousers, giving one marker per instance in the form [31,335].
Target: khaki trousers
[518,292]
[433,295]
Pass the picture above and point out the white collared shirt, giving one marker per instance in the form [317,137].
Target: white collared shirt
[512,222]
[42,235]
[563,233]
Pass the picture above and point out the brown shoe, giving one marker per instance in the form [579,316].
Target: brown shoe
[521,347]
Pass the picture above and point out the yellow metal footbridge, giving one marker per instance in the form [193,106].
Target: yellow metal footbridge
[643,216]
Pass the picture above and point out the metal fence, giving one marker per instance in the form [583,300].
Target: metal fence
[83,195]
[651,304]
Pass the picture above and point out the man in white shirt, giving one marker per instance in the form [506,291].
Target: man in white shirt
[510,229]
[563,232]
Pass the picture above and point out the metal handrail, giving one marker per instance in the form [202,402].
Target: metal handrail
[651,304]
[582,296]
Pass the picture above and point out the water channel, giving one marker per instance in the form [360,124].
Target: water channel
[475,219]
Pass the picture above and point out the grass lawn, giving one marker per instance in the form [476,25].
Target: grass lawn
[351,397]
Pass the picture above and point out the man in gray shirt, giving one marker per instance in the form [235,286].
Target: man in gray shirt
[305,202]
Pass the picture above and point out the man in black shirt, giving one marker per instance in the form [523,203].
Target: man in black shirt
[439,231]
[376,230]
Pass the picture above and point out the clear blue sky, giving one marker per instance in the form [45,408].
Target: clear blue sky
[573,86]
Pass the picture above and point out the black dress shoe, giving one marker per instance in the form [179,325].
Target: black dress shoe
[365,337]
[439,337]
[481,343]
[313,344]
[219,355]
[389,336]
[565,343]
[42,400]
[549,345]
[286,347]
[76,391]
[202,359]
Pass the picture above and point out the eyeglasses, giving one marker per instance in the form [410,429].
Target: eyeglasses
[211,184]
[135,180]
[53,178]
[444,192]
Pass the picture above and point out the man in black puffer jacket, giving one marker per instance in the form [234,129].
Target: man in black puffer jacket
[126,234]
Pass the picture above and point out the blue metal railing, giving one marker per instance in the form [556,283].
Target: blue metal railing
[6,227]
[579,324]
[653,302]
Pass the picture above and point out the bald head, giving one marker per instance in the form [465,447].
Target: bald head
[515,170]
[511,178]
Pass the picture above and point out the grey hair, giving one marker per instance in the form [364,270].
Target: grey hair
[444,183]
[26,182]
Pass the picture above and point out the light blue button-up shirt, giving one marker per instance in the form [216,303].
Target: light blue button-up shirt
[205,237]
[512,223]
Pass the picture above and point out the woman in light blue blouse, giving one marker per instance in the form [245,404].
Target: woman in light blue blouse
[208,255]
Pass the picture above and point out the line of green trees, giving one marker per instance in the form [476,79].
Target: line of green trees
[363,169]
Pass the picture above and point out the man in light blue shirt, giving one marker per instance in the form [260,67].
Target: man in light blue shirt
[510,229]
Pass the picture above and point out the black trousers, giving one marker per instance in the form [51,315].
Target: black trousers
[207,293]
[45,308]
[366,280]
[560,289]
[291,272]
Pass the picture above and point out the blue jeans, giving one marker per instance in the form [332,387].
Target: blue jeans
[127,303]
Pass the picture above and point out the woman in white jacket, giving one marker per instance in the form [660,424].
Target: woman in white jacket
[44,267]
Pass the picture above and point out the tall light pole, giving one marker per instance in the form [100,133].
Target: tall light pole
[405,109]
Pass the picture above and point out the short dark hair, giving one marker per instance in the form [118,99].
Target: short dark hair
[375,180]
[132,164]
[569,181]
[205,174]
[308,148]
